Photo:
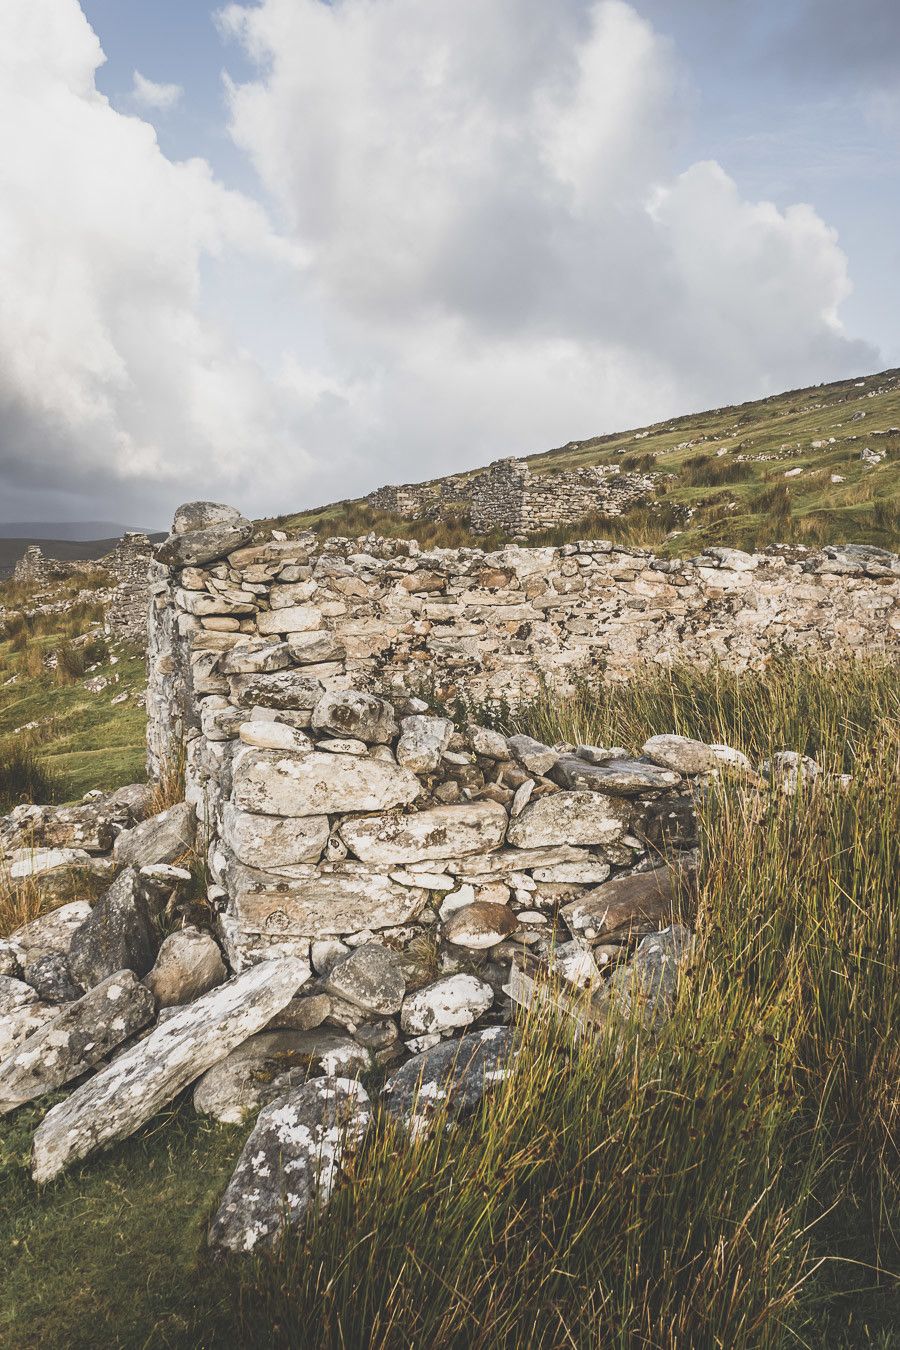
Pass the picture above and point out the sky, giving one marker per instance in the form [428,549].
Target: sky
[280,252]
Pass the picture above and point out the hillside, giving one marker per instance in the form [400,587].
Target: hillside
[810,466]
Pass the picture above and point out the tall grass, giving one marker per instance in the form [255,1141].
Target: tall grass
[22,777]
[729,1182]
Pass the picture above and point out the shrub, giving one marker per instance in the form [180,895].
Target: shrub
[23,778]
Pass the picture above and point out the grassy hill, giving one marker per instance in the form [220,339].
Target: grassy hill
[784,469]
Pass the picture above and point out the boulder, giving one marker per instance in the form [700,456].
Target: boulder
[77,1038]
[196,547]
[480,925]
[449,1081]
[188,964]
[273,841]
[351,712]
[267,1065]
[533,755]
[193,516]
[440,832]
[370,978]
[121,933]
[117,1100]
[279,783]
[423,741]
[290,1164]
[446,1005]
[626,907]
[21,1013]
[681,754]
[47,934]
[570,818]
[51,979]
[647,985]
[159,839]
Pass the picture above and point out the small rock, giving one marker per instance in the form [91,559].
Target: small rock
[187,965]
[647,985]
[452,1002]
[51,979]
[681,754]
[489,744]
[449,1080]
[532,755]
[160,839]
[325,953]
[480,925]
[423,741]
[370,978]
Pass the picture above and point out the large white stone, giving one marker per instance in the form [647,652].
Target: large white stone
[117,1101]
[273,841]
[354,713]
[273,736]
[445,1005]
[422,742]
[37,862]
[570,818]
[282,784]
[441,832]
[681,754]
[48,934]
[320,905]
[292,619]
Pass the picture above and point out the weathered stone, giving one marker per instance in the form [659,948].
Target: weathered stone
[789,770]
[121,933]
[255,658]
[489,744]
[193,516]
[302,1014]
[267,842]
[570,818]
[315,647]
[292,619]
[21,1013]
[51,979]
[440,832]
[480,925]
[573,874]
[69,1044]
[452,1002]
[448,1082]
[681,754]
[38,862]
[532,755]
[196,547]
[187,965]
[279,783]
[320,905]
[370,978]
[647,985]
[160,839]
[621,777]
[423,741]
[268,1065]
[279,690]
[49,933]
[290,1164]
[114,1103]
[90,826]
[599,754]
[351,712]
[627,907]
[202,604]
[273,736]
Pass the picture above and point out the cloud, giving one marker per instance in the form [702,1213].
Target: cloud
[148,94]
[486,243]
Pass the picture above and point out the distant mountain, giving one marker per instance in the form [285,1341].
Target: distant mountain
[66,529]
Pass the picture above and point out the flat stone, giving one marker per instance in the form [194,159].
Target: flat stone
[291,619]
[573,874]
[117,1100]
[21,1013]
[446,1005]
[203,604]
[681,754]
[335,746]
[197,547]
[255,658]
[38,862]
[570,818]
[279,783]
[532,755]
[370,978]
[448,1082]
[627,907]
[480,925]
[290,1164]
[289,690]
[440,832]
[273,736]
[599,754]
[302,1014]
[621,777]
[487,743]
[354,713]
[423,741]
[79,1037]
[312,648]
[323,905]
[49,933]
[120,934]
[273,841]
[187,965]
[159,839]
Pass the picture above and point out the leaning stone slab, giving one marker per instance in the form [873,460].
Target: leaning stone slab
[627,907]
[160,839]
[681,754]
[291,1163]
[450,1080]
[49,933]
[75,1040]
[119,934]
[646,987]
[571,818]
[273,841]
[118,1100]
[278,783]
[441,832]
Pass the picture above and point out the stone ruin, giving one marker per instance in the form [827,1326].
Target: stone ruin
[127,596]
[507,496]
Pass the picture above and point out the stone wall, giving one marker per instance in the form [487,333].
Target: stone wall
[35,569]
[129,563]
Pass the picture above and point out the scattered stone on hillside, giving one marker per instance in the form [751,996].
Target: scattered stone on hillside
[449,1081]
[51,979]
[159,839]
[423,741]
[120,933]
[354,713]
[446,1005]
[626,777]
[681,754]
[570,818]
[47,934]
[532,755]
[281,783]
[117,1100]
[188,964]
[440,832]
[647,985]
[626,907]
[77,1038]
[480,925]
[273,841]
[370,978]
[291,1163]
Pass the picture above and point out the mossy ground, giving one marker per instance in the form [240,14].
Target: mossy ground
[738,502]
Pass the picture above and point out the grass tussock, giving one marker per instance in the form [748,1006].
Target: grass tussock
[23,778]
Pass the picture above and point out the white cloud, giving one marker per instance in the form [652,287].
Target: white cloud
[488,246]
[148,94]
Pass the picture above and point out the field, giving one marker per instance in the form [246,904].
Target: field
[727,468]
[731,1182]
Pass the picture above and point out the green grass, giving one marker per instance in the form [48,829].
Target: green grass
[731,498]
[732,1183]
